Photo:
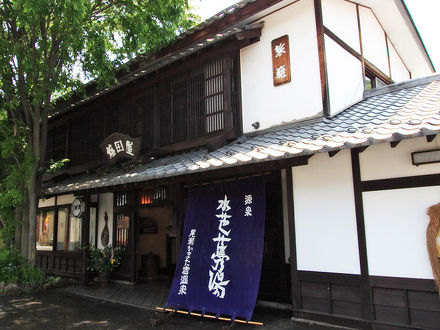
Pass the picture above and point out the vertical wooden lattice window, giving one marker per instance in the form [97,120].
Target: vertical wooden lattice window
[214,96]
[78,142]
[192,104]
[142,119]
[122,220]
[59,143]
[122,228]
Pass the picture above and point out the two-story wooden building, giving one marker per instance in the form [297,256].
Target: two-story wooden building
[314,95]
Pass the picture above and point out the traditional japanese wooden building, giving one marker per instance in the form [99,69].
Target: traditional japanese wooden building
[328,100]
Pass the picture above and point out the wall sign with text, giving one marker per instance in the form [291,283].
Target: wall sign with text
[281,60]
[119,145]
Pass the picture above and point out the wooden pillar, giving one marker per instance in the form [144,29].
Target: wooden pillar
[295,293]
[227,95]
[85,228]
[179,209]
[367,301]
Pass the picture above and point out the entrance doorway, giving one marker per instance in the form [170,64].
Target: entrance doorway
[156,242]
[275,272]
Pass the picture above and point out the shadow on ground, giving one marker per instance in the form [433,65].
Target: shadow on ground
[57,309]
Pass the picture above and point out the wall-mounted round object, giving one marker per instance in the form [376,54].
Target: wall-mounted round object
[78,207]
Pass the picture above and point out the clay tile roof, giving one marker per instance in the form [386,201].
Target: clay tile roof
[391,113]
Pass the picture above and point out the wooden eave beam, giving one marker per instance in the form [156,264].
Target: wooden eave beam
[394,144]
[229,20]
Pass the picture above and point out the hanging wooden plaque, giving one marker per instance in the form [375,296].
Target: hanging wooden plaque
[281,60]
[119,145]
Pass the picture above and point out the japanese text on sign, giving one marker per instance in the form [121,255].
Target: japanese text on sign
[248,204]
[217,283]
[281,60]
[186,266]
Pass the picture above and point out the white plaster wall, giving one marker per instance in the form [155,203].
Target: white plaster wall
[46,202]
[340,17]
[105,205]
[345,77]
[325,219]
[395,226]
[301,98]
[398,69]
[380,161]
[65,199]
[373,40]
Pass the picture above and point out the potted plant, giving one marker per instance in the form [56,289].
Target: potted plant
[104,261]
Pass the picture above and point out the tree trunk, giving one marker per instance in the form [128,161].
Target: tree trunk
[33,200]
[18,227]
[25,227]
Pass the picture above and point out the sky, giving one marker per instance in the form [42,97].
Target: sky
[423,12]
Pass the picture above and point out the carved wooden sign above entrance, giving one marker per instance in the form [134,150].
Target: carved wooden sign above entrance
[281,60]
[119,145]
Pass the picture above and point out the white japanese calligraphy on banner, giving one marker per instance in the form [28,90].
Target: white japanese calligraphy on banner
[217,283]
[186,266]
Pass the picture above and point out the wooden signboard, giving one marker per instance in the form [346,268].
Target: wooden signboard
[147,226]
[119,145]
[281,60]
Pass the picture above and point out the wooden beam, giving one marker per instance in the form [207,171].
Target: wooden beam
[428,180]
[322,59]
[368,66]
[394,144]
[430,138]
[367,300]
[333,153]
[296,292]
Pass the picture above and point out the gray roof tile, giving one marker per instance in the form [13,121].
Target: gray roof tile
[393,113]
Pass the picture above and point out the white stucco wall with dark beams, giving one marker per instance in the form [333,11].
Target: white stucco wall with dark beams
[105,205]
[396,219]
[380,161]
[325,218]
[345,76]
[395,229]
[299,99]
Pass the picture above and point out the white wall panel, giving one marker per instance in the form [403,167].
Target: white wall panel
[301,98]
[380,161]
[341,18]
[105,205]
[373,40]
[395,225]
[345,78]
[325,220]
[398,69]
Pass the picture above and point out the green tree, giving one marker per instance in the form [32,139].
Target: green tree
[43,43]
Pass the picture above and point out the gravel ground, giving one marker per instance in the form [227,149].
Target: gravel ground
[56,309]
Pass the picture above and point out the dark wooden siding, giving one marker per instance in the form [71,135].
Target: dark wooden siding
[398,303]
[60,263]
[185,106]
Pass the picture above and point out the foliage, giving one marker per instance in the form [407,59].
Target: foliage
[106,259]
[15,269]
[46,47]
[15,165]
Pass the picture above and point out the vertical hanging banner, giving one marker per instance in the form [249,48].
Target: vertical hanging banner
[221,252]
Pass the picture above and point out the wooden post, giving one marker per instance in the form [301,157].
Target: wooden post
[85,228]
[367,300]
[296,295]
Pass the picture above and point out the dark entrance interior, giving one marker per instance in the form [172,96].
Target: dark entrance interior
[275,273]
